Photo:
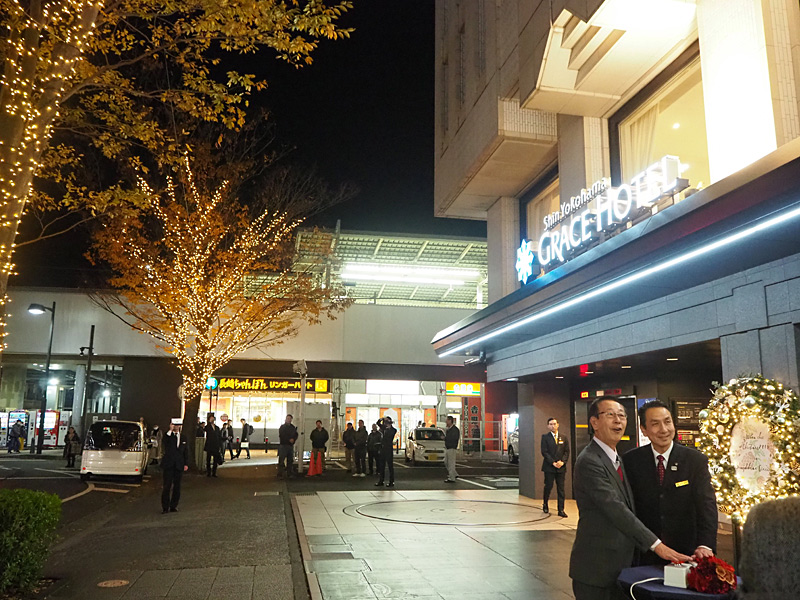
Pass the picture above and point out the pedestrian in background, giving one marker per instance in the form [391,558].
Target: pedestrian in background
[72,446]
[451,438]
[14,437]
[349,441]
[173,465]
[212,447]
[201,429]
[374,443]
[361,450]
[156,436]
[319,437]
[387,449]
[227,439]
[555,453]
[244,441]
[287,435]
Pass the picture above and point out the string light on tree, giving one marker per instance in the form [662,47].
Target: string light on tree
[207,278]
[744,402]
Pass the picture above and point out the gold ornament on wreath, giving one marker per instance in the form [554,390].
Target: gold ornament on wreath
[750,433]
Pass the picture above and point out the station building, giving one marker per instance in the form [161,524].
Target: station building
[374,359]
[638,167]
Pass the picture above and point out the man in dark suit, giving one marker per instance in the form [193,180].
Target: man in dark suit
[174,463]
[671,487]
[608,530]
[555,450]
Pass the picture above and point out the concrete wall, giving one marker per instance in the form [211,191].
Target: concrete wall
[363,333]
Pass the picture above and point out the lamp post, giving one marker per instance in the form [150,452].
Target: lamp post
[39,309]
[87,379]
[301,368]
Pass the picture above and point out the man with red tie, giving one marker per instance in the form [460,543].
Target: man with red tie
[555,454]
[608,530]
[671,487]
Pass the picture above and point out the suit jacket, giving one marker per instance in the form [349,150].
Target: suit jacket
[213,443]
[553,452]
[608,530]
[683,511]
[175,457]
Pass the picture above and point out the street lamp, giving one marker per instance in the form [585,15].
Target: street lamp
[39,309]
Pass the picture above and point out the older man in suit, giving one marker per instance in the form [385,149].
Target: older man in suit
[671,487]
[555,453]
[608,530]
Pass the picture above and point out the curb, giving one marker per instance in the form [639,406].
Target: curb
[305,551]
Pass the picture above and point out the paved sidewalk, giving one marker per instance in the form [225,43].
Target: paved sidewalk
[446,545]
[229,540]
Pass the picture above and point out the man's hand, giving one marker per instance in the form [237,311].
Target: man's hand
[185,467]
[702,552]
[669,554]
[558,464]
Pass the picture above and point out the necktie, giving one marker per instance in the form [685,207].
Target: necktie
[619,469]
[660,470]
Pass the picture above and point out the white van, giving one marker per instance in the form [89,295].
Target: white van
[114,448]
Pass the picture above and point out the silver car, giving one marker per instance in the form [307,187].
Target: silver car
[513,446]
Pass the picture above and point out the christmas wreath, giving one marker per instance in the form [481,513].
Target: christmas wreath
[711,575]
[751,436]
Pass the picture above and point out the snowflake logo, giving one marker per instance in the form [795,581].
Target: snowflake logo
[525,261]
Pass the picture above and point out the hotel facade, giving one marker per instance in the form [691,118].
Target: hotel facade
[638,166]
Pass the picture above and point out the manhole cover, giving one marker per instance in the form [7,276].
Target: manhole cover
[448,512]
[112,583]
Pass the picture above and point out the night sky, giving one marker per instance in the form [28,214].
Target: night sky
[362,113]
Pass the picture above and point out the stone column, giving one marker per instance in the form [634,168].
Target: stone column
[502,232]
[583,155]
[750,61]
[527,446]
[77,398]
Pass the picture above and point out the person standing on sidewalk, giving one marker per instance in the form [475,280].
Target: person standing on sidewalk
[14,436]
[72,446]
[451,438]
[361,450]
[287,435]
[387,451]
[555,450]
[226,434]
[244,441]
[212,447]
[374,443]
[173,465]
[319,437]
[349,441]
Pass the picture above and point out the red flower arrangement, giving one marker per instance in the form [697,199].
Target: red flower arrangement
[712,576]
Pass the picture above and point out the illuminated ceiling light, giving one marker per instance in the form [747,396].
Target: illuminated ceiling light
[589,372]
[401,279]
[106,393]
[676,125]
[53,381]
[411,271]
[513,379]
[628,279]
[625,367]
[559,377]
[672,359]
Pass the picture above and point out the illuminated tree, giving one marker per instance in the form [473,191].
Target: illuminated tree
[102,69]
[209,278]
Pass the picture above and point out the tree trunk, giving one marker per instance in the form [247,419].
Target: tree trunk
[190,428]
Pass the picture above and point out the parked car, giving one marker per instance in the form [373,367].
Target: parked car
[114,448]
[513,446]
[425,444]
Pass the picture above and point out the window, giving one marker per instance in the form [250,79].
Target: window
[544,203]
[671,121]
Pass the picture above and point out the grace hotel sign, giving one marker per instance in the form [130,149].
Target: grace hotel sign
[595,213]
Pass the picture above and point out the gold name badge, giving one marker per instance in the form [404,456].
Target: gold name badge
[682,483]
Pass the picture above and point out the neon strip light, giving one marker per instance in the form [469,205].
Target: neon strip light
[400,279]
[623,281]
